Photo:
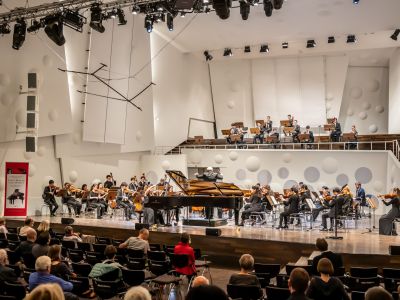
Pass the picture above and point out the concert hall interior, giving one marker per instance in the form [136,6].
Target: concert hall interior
[261,134]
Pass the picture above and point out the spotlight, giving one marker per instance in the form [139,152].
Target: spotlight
[148,23]
[311,44]
[54,29]
[208,56]
[331,40]
[351,39]
[135,10]
[159,18]
[170,22]
[285,45]
[395,34]
[35,26]
[278,4]
[73,20]
[96,18]
[255,3]
[19,34]
[207,10]
[183,14]
[244,10]
[247,49]
[264,49]
[112,14]
[5,29]
[268,7]
[222,8]
[356,1]
[121,17]
[228,52]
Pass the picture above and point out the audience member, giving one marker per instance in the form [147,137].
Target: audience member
[377,293]
[246,263]
[25,247]
[44,226]
[137,293]
[326,287]
[200,280]
[183,248]
[298,283]
[336,259]
[70,235]
[110,252]
[109,269]
[138,243]
[206,292]
[28,224]
[3,228]
[59,268]
[6,273]
[42,245]
[42,275]
[48,291]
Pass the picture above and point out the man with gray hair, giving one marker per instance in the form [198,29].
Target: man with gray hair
[200,280]
[138,243]
[25,247]
[42,275]
[137,293]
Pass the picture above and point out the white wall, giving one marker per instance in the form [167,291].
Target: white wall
[394,92]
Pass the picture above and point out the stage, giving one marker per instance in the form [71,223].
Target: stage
[268,245]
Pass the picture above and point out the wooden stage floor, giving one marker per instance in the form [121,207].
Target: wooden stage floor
[267,243]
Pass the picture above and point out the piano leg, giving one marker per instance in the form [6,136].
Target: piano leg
[236,216]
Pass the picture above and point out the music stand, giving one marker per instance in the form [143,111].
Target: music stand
[226,131]
[272,201]
[311,206]
[349,137]
[329,127]
[335,237]
[235,138]
[255,130]
[198,139]
[262,122]
[271,139]
[372,206]
[304,137]
[288,130]
[286,123]
[330,120]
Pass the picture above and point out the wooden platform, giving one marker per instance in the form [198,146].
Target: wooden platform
[267,245]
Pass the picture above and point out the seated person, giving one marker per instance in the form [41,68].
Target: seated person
[336,132]
[137,293]
[6,273]
[41,246]
[377,293]
[138,243]
[326,287]
[253,204]
[69,200]
[336,260]
[109,269]
[200,280]
[296,132]
[59,268]
[311,137]
[3,228]
[298,284]
[206,292]
[48,291]
[260,136]
[244,277]
[183,247]
[44,226]
[25,247]
[123,201]
[275,136]
[28,223]
[353,143]
[42,275]
[235,131]
[70,235]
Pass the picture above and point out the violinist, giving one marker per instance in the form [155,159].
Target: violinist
[292,207]
[69,200]
[96,199]
[386,222]
[304,193]
[133,185]
[254,203]
[335,205]
[296,132]
[48,196]
[123,200]
[265,192]
[323,202]
[84,193]
[143,183]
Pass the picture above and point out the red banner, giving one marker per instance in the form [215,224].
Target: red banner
[16,189]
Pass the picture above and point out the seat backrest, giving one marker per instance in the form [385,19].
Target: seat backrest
[276,293]
[362,272]
[68,244]
[355,295]
[155,247]
[391,273]
[12,236]
[134,253]
[82,269]
[362,284]
[339,271]
[84,246]
[179,260]
[245,292]
[99,247]
[111,276]
[133,277]
[54,241]
[17,290]
[157,255]
[105,289]
[158,267]
[272,269]
[103,240]
[29,260]
[136,263]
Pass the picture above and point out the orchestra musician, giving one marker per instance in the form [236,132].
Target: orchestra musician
[335,205]
[211,176]
[68,199]
[292,207]
[290,119]
[260,136]
[49,197]
[97,199]
[133,185]
[164,186]
[123,201]
[323,203]
[265,192]
[296,131]
[336,132]
[268,125]
[353,145]
[110,182]
[235,131]
[254,203]
[311,137]
[360,194]
[144,183]
[386,222]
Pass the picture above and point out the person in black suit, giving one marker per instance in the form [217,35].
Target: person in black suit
[298,284]
[296,132]
[335,211]
[110,182]
[336,259]
[210,176]
[254,204]
[292,205]
[49,197]
[311,137]
[336,132]
[70,200]
[260,136]
[268,125]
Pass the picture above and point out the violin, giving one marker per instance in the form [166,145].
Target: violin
[388,196]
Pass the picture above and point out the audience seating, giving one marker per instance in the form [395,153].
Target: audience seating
[68,244]
[54,241]
[132,253]
[362,284]
[106,289]
[93,258]
[355,295]
[81,269]
[13,258]
[244,292]
[133,277]
[276,293]
[81,284]
[99,248]
[12,237]
[75,255]
[136,263]
[103,240]
[362,272]
[290,267]
[271,269]
[157,255]
[155,247]
[16,290]
[84,246]
[391,279]
[29,260]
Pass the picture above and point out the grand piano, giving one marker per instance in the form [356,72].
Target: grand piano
[199,193]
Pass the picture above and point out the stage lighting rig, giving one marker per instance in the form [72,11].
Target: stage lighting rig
[244,9]
[395,34]
[278,4]
[121,17]
[5,29]
[247,49]
[222,8]
[19,34]
[170,22]
[264,49]
[73,19]
[268,8]
[96,18]
[331,40]
[311,43]
[54,29]
[228,52]
[148,23]
[208,56]
[351,38]
[35,26]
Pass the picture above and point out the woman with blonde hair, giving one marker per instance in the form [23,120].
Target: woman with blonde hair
[47,291]
[6,273]
[44,226]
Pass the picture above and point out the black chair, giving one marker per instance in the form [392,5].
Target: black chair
[68,244]
[29,260]
[81,269]
[391,278]
[16,269]
[159,267]
[22,238]
[80,284]
[361,272]
[355,295]
[26,273]
[84,246]
[111,276]
[272,269]
[12,237]
[3,243]
[157,255]
[276,293]
[116,242]
[362,284]
[155,247]
[4,297]
[16,290]
[122,251]
[263,278]
[133,277]
[3,236]
[133,253]
[289,269]
[99,248]
[390,273]
[106,289]
[395,295]
[169,249]
[12,230]
[54,241]
[103,240]
[93,258]
[75,255]
[136,263]
[13,245]
[59,235]
[13,257]
[339,272]
[244,292]
[282,281]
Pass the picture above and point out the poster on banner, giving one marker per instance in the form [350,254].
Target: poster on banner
[16,189]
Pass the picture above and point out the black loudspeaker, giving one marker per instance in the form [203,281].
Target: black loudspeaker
[213,231]
[67,221]
[32,81]
[30,103]
[30,144]
[394,250]
[139,226]
[31,120]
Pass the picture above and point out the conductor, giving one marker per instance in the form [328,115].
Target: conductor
[210,176]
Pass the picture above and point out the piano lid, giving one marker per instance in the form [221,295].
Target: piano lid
[193,187]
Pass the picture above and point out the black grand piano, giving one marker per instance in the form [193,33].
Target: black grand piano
[199,193]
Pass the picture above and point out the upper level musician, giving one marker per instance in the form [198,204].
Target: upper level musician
[291,120]
[337,131]
[210,175]
[268,125]
[296,131]
[259,137]
[235,131]
[49,197]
